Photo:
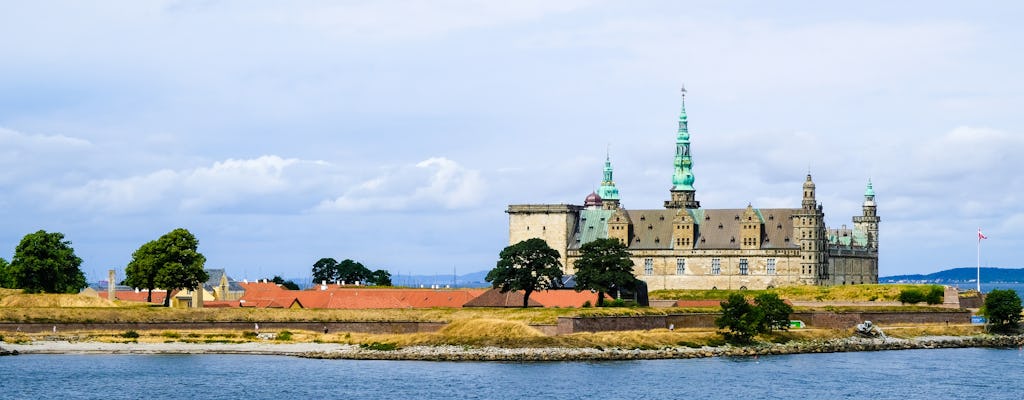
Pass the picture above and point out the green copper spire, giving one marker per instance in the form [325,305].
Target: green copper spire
[682,178]
[869,193]
[608,191]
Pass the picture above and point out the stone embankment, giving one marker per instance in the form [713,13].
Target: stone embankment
[457,353]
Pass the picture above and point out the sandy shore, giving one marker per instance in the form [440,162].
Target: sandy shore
[463,353]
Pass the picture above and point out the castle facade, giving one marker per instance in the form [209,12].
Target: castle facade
[685,246]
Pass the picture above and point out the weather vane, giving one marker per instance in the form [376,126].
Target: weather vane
[683,90]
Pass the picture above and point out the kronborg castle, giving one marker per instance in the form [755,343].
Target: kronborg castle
[686,246]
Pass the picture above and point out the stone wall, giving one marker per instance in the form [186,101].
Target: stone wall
[828,320]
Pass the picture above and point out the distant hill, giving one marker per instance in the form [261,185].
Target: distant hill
[471,280]
[962,275]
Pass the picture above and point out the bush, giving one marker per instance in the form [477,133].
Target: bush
[586,304]
[936,294]
[911,296]
[130,335]
[379,346]
[171,335]
[284,335]
[249,335]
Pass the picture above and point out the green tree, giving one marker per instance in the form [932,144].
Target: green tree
[1002,308]
[742,319]
[529,265]
[5,274]
[325,270]
[775,311]
[380,277]
[604,265]
[45,262]
[290,285]
[142,270]
[349,271]
[171,262]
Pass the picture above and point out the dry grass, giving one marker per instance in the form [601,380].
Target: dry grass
[53,300]
[144,313]
[933,330]
[879,292]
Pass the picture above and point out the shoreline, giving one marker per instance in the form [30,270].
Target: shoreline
[464,353]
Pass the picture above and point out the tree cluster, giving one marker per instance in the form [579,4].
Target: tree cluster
[745,320]
[171,262]
[529,265]
[290,285]
[43,262]
[1002,308]
[348,271]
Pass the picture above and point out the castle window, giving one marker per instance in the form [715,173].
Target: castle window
[648,266]
[779,226]
[657,240]
[707,217]
[716,266]
[732,239]
[661,218]
[650,227]
[744,267]
[771,266]
[643,218]
[720,226]
[771,217]
[680,266]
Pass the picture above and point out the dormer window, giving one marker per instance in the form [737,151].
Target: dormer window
[720,226]
[661,218]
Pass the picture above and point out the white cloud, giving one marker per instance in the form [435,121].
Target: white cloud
[436,181]
[224,183]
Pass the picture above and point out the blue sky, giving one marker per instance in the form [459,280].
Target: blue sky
[396,132]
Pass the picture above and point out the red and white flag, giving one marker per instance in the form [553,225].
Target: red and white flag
[981,235]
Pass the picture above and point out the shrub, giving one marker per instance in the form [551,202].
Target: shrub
[284,335]
[171,335]
[130,335]
[249,335]
[379,346]
[911,296]
[586,304]
[936,294]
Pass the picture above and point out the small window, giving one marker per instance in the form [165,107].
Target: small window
[716,266]
[643,218]
[680,266]
[737,217]
[648,266]
[720,226]
[661,218]
[744,267]
[771,267]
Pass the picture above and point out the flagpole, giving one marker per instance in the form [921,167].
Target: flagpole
[978,278]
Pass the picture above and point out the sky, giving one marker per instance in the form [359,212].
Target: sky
[396,133]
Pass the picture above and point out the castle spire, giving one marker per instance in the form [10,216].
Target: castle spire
[683,193]
[608,191]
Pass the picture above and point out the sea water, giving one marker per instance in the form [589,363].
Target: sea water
[908,374]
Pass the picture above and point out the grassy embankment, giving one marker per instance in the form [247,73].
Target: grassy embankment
[467,327]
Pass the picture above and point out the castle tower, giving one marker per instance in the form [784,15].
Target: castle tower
[868,222]
[608,192]
[683,195]
[809,229]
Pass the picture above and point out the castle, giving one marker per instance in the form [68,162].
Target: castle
[685,246]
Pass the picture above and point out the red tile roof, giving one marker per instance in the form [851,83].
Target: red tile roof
[545,298]
[354,297]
